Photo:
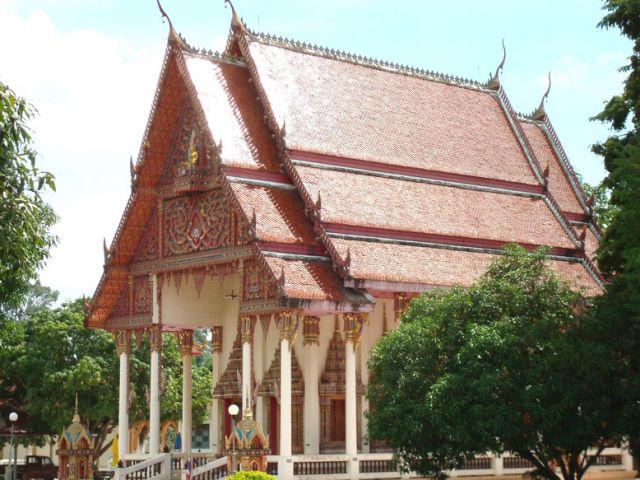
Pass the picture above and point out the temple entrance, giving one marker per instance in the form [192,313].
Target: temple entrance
[274,425]
[337,421]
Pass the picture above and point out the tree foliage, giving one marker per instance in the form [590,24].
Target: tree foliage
[50,357]
[25,219]
[619,251]
[507,365]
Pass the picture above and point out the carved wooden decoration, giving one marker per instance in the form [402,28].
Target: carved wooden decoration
[121,308]
[256,284]
[148,245]
[143,295]
[194,223]
[271,382]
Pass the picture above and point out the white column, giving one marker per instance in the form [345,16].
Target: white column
[123,349]
[351,330]
[311,412]
[214,422]
[186,346]
[258,369]
[287,333]
[155,343]
[498,465]
[246,363]
[285,398]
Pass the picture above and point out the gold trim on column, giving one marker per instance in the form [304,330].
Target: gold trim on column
[311,330]
[123,342]
[216,339]
[155,339]
[288,322]
[353,325]
[185,342]
[246,328]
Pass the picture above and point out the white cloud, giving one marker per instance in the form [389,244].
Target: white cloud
[93,93]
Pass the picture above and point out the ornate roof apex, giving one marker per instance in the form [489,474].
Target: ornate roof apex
[494,80]
[539,113]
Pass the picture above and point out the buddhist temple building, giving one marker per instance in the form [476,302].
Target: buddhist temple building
[292,200]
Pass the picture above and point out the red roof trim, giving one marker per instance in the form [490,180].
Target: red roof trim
[260,175]
[452,240]
[576,217]
[412,171]
[292,248]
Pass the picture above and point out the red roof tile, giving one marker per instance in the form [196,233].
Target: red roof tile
[311,280]
[559,185]
[437,266]
[279,213]
[365,200]
[340,108]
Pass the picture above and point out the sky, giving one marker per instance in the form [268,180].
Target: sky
[91,68]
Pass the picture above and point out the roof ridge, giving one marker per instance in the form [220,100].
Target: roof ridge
[364,61]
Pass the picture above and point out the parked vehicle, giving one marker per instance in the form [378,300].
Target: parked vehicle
[34,467]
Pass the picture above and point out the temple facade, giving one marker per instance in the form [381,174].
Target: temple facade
[292,200]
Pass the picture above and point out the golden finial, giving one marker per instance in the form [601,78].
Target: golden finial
[494,80]
[236,22]
[539,112]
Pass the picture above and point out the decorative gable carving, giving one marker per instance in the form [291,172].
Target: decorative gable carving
[194,223]
[256,284]
[192,164]
[148,245]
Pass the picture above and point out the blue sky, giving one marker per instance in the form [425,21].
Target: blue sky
[91,66]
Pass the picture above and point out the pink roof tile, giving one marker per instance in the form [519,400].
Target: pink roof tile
[437,266]
[559,185]
[234,116]
[311,280]
[365,200]
[340,108]
[279,213]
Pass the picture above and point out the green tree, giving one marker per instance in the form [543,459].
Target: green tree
[510,364]
[603,210]
[619,251]
[51,357]
[25,219]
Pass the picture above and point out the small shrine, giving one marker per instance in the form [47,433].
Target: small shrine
[252,445]
[75,455]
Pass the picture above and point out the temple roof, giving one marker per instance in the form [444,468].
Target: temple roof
[347,171]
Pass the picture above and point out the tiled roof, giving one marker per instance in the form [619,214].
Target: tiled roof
[234,116]
[365,200]
[559,185]
[341,108]
[305,279]
[437,266]
[279,216]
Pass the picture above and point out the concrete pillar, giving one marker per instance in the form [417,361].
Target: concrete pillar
[185,338]
[258,370]
[214,423]
[155,345]
[247,334]
[352,337]
[498,465]
[288,327]
[123,349]
[311,412]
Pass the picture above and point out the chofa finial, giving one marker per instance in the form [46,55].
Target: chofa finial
[173,35]
[539,113]
[236,22]
[494,80]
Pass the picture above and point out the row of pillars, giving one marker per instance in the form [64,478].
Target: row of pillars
[288,322]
